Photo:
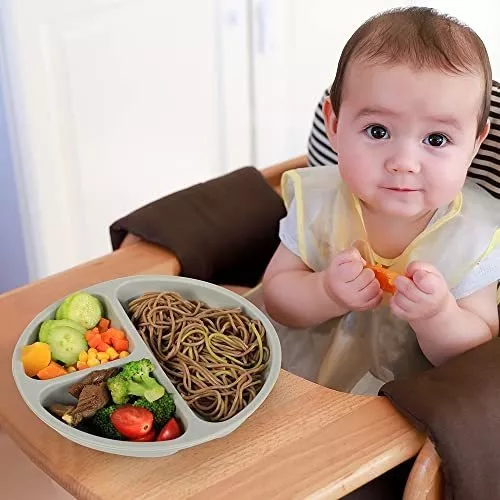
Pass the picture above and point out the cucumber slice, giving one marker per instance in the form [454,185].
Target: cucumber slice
[66,344]
[81,307]
[47,325]
[61,310]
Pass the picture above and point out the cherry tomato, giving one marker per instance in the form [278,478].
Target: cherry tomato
[131,421]
[171,430]
[150,436]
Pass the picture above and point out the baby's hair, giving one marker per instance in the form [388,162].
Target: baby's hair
[422,38]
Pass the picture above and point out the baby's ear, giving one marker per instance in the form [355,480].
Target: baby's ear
[482,136]
[331,122]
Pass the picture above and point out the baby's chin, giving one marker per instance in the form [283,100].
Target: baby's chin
[399,209]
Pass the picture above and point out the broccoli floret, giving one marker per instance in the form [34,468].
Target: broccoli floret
[162,409]
[102,423]
[135,370]
[139,381]
[135,380]
[118,387]
[148,388]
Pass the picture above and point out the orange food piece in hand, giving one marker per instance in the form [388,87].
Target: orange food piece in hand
[384,277]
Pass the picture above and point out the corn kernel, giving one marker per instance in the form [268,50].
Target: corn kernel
[83,356]
[104,361]
[93,362]
[92,351]
[111,352]
[102,355]
[80,365]
[71,369]
[123,354]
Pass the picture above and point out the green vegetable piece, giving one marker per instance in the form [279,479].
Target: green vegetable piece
[135,370]
[47,326]
[140,382]
[66,344]
[163,409]
[101,422]
[83,308]
[118,387]
[135,380]
[149,389]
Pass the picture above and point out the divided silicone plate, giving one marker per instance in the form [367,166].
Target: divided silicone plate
[115,295]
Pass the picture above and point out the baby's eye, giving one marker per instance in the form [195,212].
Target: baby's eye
[377,132]
[436,140]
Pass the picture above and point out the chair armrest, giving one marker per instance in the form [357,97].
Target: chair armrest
[425,481]
[273,173]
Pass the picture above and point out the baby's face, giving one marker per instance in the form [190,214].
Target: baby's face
[405,138]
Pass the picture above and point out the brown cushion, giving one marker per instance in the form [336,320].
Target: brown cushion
[224,230]
[458,405]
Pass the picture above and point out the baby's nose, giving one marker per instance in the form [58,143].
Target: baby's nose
[403,161]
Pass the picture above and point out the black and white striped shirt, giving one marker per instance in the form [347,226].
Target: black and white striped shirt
[485,167]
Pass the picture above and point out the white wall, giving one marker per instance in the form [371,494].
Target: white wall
[297,45]
[13,262]
[296,50]
[117,103]
[483,16]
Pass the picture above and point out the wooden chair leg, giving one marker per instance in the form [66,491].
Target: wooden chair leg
[425,481]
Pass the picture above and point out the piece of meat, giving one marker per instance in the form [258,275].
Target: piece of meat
[59,410]
[92,398]
[92,378]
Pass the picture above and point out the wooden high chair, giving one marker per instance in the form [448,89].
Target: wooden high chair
[425,481]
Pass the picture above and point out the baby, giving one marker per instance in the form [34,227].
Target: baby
[407,112]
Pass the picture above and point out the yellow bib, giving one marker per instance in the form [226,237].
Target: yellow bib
[329,220]
[374,345]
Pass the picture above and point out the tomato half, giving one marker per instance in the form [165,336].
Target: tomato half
[171,430]
[150,436]
[131,421]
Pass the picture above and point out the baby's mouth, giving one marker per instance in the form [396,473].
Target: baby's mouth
[402,189]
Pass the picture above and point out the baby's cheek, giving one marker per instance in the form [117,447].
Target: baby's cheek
[357,175]
[444,181]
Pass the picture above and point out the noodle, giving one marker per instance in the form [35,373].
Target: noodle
[216,358]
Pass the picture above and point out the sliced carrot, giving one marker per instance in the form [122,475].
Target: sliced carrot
[102,347]
[107,336]
[103,325]
[90,334]
[95,340]
[112,333]
[116,334]
[120,344]
[52,371]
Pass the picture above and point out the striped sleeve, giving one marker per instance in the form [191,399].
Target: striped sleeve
[485,168]
[319,151]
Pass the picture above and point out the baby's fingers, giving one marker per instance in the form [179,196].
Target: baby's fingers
[349,271]
[365,278]
[427,282]
[407,288]
[371,297]
[346,256]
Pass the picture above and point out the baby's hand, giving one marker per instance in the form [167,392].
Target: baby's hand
[421,294]
[347,282]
